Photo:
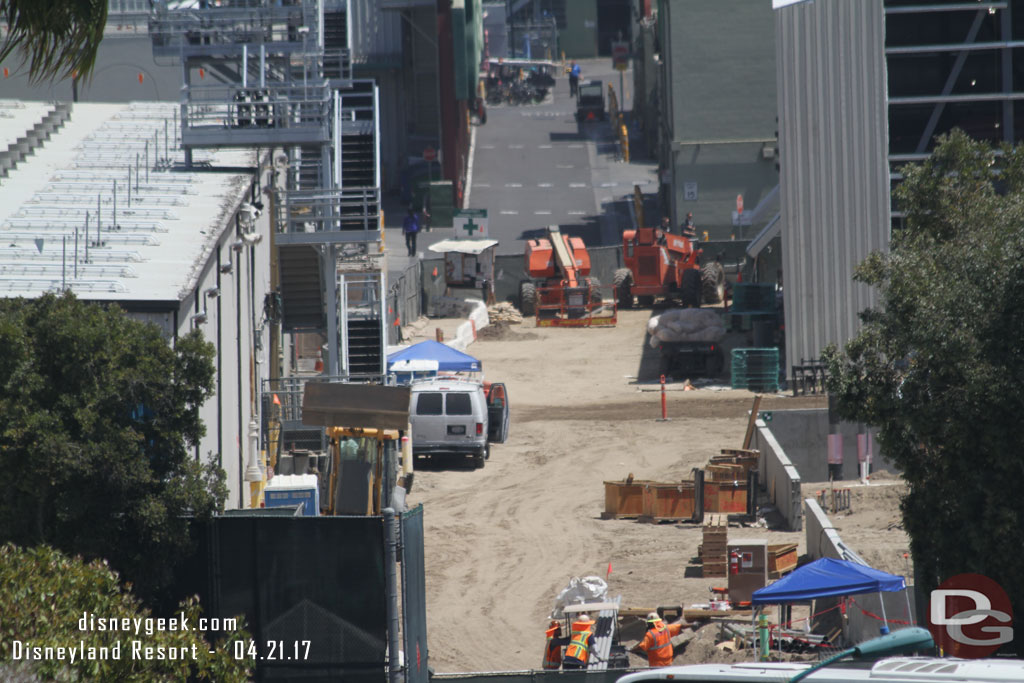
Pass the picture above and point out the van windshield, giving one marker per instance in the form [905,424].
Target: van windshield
[429,404]
[458,404]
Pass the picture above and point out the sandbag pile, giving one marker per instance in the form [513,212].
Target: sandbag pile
[686,325]
[504,312]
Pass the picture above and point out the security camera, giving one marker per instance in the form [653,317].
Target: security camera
[237,245]
[213,292]
[225,267]
[252,238]
[199,319]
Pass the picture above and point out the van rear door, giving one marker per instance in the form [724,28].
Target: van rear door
[497,414]
[428,425]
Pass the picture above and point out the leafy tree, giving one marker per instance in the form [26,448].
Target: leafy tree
[56,38]
[45,596]
[98,415]
[938,366]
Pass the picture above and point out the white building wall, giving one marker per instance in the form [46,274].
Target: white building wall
[234,320]
[833,142]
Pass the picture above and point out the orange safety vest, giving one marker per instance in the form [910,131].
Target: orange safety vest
[660,654]
[552,651]
[578,648]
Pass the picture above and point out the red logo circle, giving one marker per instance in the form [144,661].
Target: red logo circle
[970,616]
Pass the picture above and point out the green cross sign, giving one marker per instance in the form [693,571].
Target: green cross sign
[471,223]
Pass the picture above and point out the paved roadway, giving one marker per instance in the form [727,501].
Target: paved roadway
[533,166]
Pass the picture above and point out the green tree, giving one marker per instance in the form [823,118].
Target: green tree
[45,596]
[56,38]
[99,414]
[938,365]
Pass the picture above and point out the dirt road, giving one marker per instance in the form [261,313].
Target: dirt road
[501,542]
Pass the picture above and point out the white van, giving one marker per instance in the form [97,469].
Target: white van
[455,417]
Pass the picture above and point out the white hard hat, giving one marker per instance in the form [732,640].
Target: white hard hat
[653,616]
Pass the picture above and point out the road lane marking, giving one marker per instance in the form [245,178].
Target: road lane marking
[509,213]
[577,213]
[564,166]
[542,213]
[543,184]
[515,146]
[608,184]
[543,146]
[513,184]
[577,184]
[481,184]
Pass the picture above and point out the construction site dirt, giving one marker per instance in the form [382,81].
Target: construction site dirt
[503,541]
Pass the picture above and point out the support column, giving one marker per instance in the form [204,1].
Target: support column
[329,271]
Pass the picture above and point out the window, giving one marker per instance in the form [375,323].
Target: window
[458,404]
[429,404]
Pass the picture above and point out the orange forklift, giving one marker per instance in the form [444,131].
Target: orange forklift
[562,293]
[660,264]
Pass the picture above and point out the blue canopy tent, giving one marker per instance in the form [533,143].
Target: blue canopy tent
[828,578]
[448,359]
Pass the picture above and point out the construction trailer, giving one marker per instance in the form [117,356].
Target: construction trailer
[562,293]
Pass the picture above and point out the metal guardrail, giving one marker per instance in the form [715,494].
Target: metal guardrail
[336,210]
[174,31]
[809,377]
[295,109]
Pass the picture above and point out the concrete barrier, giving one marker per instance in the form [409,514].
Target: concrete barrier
[779,477]
[803,434]
[475,312]
[863,612]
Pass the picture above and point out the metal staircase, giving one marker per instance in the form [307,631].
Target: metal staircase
[279,78]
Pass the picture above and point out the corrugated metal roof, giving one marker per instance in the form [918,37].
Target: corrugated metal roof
[160,239]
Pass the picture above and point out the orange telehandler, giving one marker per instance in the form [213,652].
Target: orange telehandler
[562,291]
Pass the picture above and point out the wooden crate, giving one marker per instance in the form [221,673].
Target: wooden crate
[782,559]
[725,472]
[725,497]
[623,500]
[668,502]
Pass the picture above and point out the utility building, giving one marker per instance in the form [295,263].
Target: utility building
[96,201]
[717,109]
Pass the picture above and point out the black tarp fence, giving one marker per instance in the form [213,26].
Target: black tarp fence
[294,580]
[414,599]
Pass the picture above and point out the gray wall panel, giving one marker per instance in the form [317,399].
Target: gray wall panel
[833,143]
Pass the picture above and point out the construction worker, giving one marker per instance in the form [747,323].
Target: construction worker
[553,647]
[577,653]
[657,643]
[687,229]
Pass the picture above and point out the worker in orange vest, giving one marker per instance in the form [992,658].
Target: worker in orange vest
[553,647]
[577,653]
[657,643]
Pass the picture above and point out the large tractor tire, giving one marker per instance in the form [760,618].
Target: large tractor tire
[646,301]
[527,298]
[712,278]
[690,288]
[623,282]
[595,291]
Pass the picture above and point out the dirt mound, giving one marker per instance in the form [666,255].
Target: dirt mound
[503,331]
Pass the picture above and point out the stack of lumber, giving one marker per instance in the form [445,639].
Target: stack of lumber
[714,554]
